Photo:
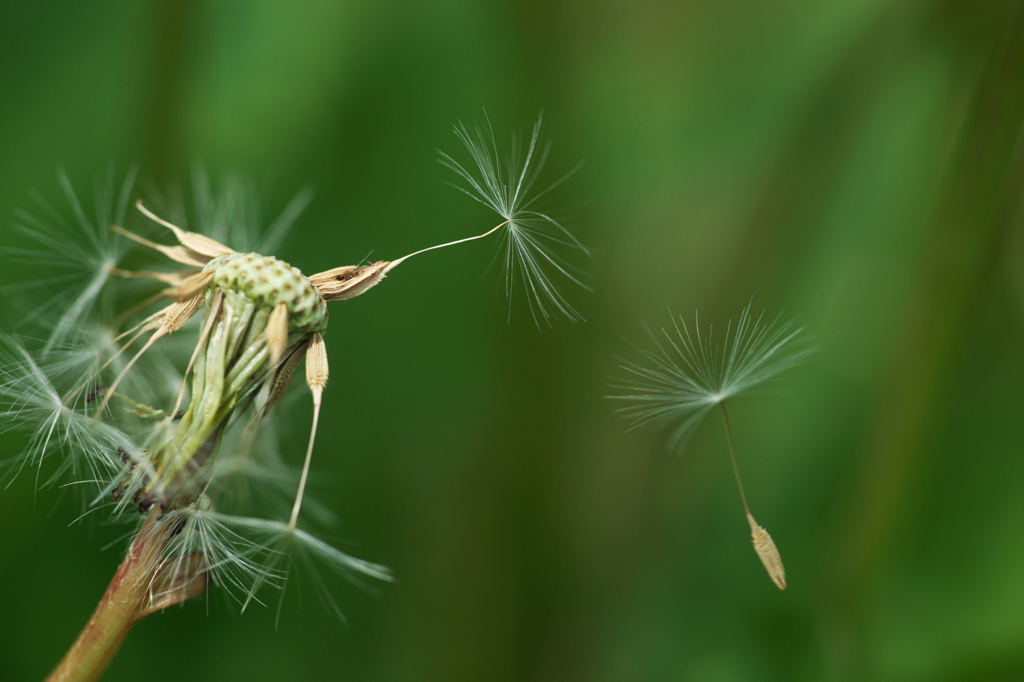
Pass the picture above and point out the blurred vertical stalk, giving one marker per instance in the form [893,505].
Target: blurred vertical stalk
[970,225]
[138,589]
[175,18]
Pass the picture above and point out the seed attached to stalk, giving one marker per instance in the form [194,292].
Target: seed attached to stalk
[684,384]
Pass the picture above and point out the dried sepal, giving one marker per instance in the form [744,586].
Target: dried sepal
[174,316]
[172,278]
[323,280]
[199,243]
[171,320]
[190,287]
[348,281]
[178,254]
[768,553]
[277,332]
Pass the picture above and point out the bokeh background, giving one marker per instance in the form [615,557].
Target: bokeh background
[854,163]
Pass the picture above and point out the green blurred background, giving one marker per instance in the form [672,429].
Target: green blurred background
[854,163]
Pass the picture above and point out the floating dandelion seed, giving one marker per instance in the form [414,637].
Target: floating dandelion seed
[530,239]
[683,381]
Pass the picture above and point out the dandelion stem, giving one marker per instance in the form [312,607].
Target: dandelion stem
[732,455]
[136,590]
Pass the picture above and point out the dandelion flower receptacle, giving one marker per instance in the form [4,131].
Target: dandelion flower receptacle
[687,375]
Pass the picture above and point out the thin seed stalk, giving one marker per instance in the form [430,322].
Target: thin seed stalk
[138,589]
[732,455]
[763,543]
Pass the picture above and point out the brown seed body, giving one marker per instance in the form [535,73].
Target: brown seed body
[767,552]
[349,281]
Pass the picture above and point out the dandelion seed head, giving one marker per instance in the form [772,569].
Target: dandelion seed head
[160,386]
[171,406]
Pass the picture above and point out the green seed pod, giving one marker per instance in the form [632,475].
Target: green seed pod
[267,281]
